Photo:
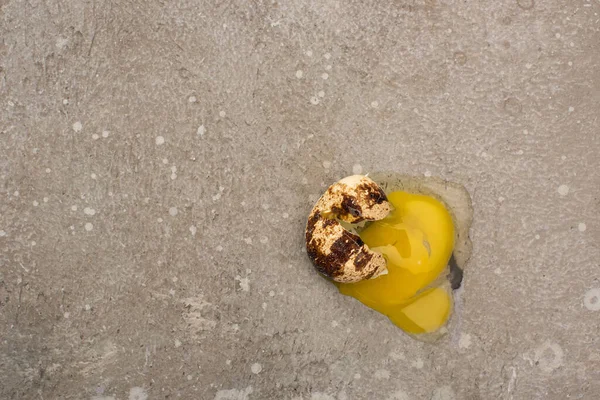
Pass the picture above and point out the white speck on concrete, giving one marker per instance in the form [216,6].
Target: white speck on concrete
[264,240]
[443,393]
[418,363]
[563,158]
[193,230]
[165,161]
[591,300]
[48,170]
[570,63]
[219,248]
[497,271]
[89,211]
[65,101]
[557,35]
[77,126]
[357,169]
[201,130]
[397,356]
[45,199]
[285,215]
[61,42]
[2,233]
[264,306]
[321,93]
[299,74]
[427,174]
[272,293]
[16,193]
[159,140]
[528,66]
[563,190]
[382,374]
[244,283]
[248,240]
[137,393]
[256,368]
[465,341]
[325,75]
[374,104]
[87,307]
[89,226]
[192,99]
[328,67]
[309,53]
[548,357]
[571,109]
[66,315]
[95,136]
[105,134]
[327,56]
[173,211]
[326,164]
[537,236]
[222,114]
[314,100]
[35,203]
[581,227]
[234,394]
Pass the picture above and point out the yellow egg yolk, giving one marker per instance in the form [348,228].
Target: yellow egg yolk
[417,239]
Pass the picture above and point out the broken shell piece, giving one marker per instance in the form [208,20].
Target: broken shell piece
[336,252]
[354,199]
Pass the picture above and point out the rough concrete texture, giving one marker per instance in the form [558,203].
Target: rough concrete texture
[159,158]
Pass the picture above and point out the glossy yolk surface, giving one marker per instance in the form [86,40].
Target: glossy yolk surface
[417,239]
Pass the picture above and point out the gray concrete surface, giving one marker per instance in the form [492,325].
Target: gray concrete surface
[158,160]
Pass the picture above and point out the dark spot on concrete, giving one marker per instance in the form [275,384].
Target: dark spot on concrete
[455,276]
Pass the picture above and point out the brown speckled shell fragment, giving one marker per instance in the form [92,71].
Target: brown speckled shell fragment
[336,252]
